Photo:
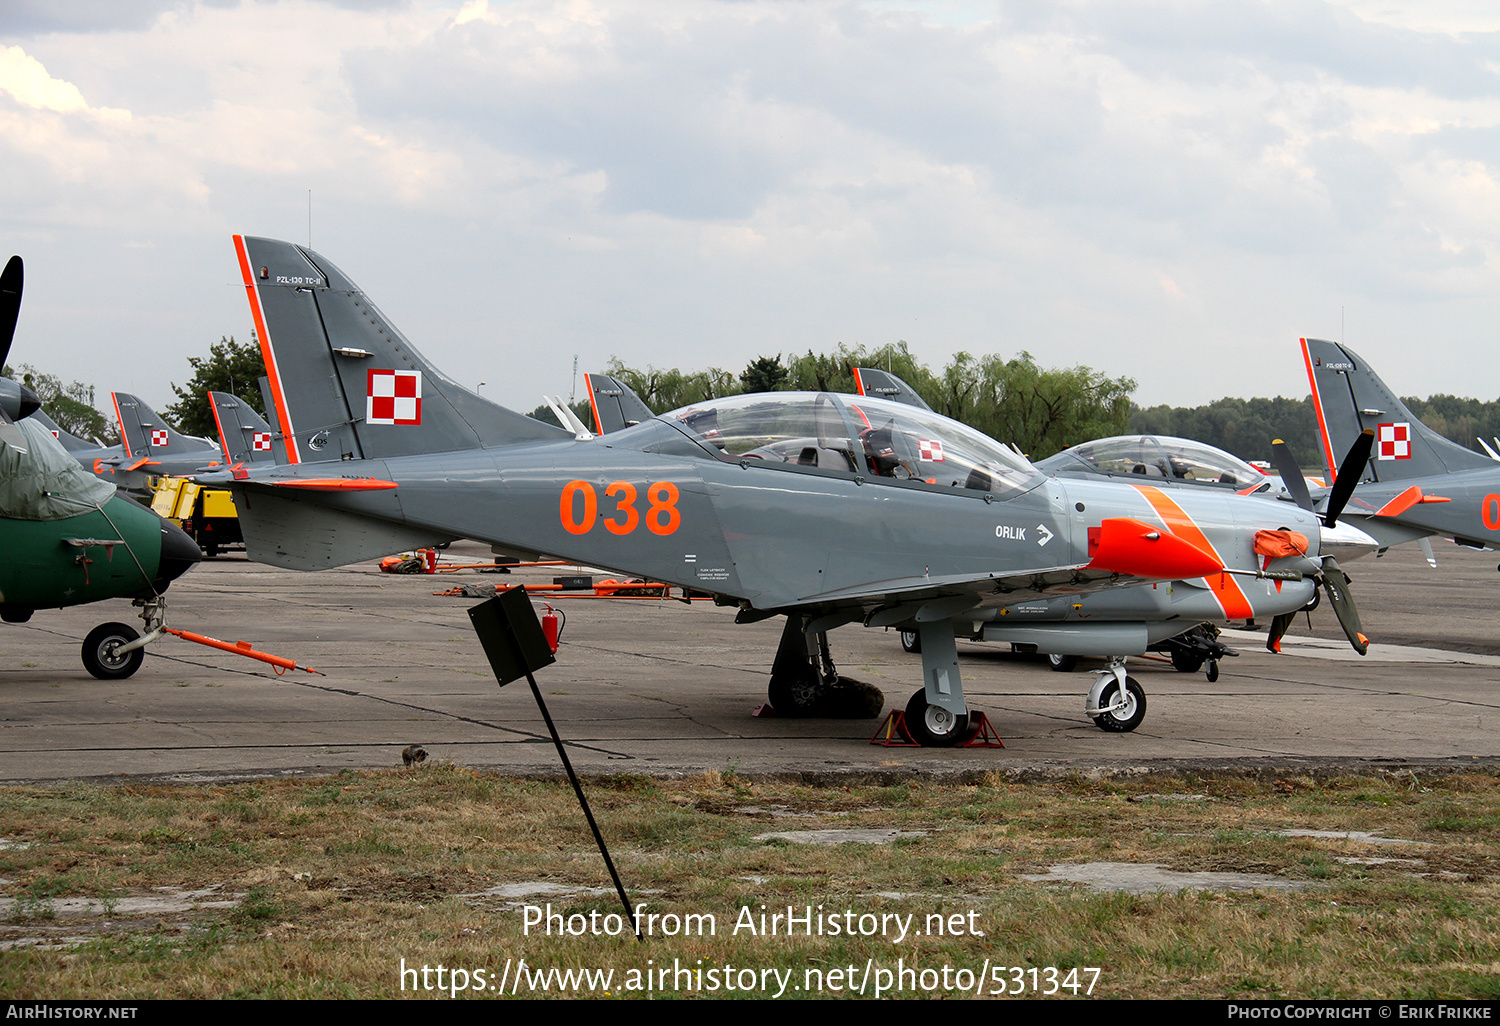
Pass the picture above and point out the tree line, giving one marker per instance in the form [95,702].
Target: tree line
[1041,410]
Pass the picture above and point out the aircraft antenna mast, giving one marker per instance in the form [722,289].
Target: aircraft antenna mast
[573,395]
[309,219]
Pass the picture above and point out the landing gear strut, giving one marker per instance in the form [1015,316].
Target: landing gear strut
[804,681]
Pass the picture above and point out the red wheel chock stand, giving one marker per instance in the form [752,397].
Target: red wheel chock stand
[979,734]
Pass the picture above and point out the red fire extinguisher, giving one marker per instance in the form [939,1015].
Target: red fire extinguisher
[550,627]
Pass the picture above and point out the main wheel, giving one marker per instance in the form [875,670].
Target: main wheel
[1187,661]
[1315,601]
[911,641]
[1062,663]
[1122,720]
[794,695]
[100,657]
[932,726]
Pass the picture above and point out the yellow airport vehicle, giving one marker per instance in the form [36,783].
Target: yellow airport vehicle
[207,515]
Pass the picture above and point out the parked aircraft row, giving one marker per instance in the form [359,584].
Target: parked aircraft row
[825,509]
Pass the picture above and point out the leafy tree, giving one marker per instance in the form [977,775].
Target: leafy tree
[663,390]
[764,374]
[230,367]
[71,406]
[1015,400]
[1245,427]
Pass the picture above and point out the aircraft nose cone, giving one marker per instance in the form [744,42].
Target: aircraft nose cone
[1344,542]
[178,553]
[29,403]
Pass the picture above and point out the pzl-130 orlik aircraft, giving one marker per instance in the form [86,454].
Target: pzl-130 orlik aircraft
[1418,484]
[829,510]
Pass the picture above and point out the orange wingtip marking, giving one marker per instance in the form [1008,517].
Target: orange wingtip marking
[338,484]
[1406,500]
[1125,546]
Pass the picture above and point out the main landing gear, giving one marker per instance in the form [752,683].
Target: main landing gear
[804,681]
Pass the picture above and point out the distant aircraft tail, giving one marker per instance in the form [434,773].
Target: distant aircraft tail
[885,385]
[346,383]
[146,435]
[614,403]
[70,442]
[1348,397]
[244,435]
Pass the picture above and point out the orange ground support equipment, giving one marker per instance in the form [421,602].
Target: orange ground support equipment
[244,648]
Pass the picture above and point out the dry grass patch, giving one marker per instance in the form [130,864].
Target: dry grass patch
[341,878]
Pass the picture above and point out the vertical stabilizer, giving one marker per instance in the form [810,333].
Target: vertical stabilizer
[146,434]
[885,385]
[346,383]
[614,403]
[244,435]
[1348,397]
[70,442]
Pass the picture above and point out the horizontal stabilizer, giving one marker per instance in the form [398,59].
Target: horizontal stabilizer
[288,532]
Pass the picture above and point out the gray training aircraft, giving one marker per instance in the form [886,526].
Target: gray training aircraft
[826,509]
[1418,483]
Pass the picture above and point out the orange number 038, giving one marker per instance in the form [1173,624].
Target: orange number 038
[579,508]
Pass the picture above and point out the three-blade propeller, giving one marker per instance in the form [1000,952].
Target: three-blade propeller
[1335,582]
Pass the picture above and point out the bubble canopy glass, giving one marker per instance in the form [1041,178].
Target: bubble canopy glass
[863,436]
[1155,456]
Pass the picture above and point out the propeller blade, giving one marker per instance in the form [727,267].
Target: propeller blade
[1279,627]
[1349,471]
[1291,474]
[1336,585]
[10,303]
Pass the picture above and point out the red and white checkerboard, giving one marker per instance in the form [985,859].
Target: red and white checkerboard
[261,441]
[158,438]
[930,449]
[394,397]
[1393,442]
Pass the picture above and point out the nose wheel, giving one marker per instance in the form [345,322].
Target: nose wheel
[1116,702]
[101,655]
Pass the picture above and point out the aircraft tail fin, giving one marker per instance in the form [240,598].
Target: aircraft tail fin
[146,434]
[347,384]
[244,434]
[614,403]
[885,385]
[1348,398]
[70,442]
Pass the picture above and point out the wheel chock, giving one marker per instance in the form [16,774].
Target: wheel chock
[981,733]
[892,732]
[765,711]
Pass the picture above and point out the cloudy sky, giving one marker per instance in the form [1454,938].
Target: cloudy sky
[1174,191]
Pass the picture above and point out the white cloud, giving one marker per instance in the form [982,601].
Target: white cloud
[694,183]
